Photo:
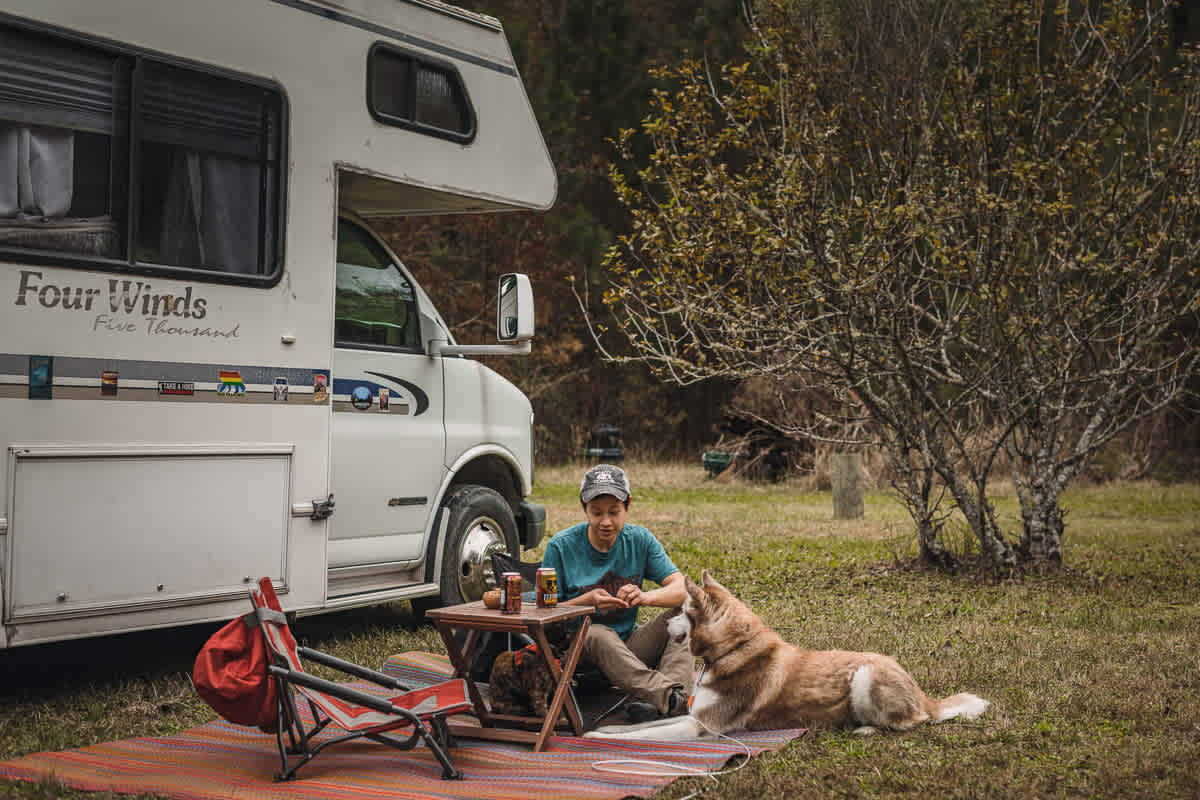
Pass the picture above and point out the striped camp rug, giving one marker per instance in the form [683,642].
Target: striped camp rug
[220,761]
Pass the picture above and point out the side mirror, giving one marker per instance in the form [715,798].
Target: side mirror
[514,308]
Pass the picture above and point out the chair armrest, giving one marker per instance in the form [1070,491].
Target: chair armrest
[349,668]
[341,692]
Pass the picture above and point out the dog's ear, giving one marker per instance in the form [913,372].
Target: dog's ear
[710,585]
[694,591]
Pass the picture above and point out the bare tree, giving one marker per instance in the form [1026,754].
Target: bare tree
[973,225]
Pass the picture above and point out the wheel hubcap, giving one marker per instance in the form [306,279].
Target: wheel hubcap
[475,577]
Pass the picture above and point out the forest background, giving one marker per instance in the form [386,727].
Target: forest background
[587,67]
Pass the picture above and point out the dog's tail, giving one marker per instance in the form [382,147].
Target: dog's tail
[964,704]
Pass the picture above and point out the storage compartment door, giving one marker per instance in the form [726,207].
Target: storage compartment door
[99,531]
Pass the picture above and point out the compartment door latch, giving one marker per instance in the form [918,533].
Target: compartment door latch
[323,509]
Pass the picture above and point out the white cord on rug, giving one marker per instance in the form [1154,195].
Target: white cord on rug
[673,770]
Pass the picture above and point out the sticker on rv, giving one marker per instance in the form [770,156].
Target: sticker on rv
[320,387]
[108,383]
[385,401]
[41,377]
[360,398]
[177,388]
[231,383]
[281,390]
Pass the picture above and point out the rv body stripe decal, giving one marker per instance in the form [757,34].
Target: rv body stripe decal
[83,378]
[131,370]
[417,392]
[343,388]
[400,36]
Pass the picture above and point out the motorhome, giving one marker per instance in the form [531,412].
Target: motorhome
[211,369]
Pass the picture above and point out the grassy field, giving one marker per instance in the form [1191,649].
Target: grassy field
[1094,672]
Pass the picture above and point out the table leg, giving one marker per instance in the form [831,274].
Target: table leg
[563,679]
[468,646]
[463,670]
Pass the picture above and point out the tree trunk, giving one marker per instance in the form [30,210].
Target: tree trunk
[913,479]
[1039,489]
[929,541]
[991,540]
[1042,518]
[1041,541]
[976,509]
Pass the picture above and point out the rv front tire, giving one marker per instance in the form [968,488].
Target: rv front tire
[480,523]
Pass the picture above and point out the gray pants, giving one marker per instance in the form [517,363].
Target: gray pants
[647,665]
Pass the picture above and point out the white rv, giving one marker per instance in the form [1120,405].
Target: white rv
[210,368]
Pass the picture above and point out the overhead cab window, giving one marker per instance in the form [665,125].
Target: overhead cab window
[419,93]
[124,158]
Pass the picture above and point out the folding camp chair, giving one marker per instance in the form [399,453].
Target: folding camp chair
[360,714]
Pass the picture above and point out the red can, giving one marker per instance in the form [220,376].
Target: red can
[547,587]
[510,593]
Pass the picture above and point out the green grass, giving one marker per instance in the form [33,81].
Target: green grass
[1093,672]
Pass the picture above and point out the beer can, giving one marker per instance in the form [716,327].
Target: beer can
[510,593]
[547,587]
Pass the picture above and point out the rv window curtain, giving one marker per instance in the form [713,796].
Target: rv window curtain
[211,217]
[437,102]
[48,90]
[37,165]
[60,104]
[209,145]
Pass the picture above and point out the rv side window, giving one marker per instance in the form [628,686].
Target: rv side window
[189,179]
[375,306]
[62,137]
[207,163]
[418,93]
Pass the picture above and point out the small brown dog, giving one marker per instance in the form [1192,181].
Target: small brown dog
[521,683]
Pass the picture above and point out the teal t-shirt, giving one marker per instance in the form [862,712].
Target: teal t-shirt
[635,555]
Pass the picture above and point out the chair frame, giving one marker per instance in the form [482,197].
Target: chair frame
[300,748]
[300,741]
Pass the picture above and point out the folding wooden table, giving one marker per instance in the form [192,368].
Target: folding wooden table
[476,618]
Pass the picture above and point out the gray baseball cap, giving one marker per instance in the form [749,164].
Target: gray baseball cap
[604,479]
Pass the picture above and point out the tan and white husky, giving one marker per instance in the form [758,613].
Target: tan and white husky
[754,680]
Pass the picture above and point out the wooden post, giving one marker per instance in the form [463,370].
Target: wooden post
[845,473]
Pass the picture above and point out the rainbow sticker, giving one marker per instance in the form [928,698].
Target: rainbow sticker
[231,383]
